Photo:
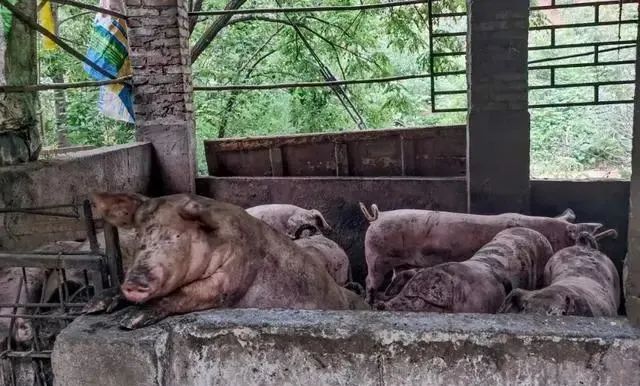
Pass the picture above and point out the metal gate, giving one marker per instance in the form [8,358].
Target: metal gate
[45,290]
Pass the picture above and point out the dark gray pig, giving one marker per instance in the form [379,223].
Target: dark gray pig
[579,280]
[424,238]
[515,258]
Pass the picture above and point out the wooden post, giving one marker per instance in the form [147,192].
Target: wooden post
[158,34]
[631,273]
[498,121]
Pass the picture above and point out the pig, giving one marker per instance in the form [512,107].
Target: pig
[579,280]
[422,238]
[18,288]
[194,253]
[335,259]
[515,258]
[288,218]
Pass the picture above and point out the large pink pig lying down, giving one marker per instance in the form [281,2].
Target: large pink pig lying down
[423,238]
[195,253]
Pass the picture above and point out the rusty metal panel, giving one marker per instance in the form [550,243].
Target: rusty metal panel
[375,158]
[426,152]
[441,154]
[242,163]
[316,159]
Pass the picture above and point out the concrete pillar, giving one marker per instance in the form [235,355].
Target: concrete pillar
[19,137]
[631,273]
[158,33]
[498,121]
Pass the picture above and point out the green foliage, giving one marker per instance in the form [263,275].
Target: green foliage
[259,49]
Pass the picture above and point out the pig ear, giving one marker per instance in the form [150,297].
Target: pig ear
[320,221]
[568,215]
[118,208]
[196,212]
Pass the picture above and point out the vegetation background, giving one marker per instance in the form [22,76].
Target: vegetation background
[566,142]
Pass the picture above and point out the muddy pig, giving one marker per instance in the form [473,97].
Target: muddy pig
[17,286]
[196,253]
[423,238]
[579,280]
[515,258]
[288,218]
[335,259]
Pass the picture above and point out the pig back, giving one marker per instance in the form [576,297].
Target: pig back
[583,262]
[517,255]
[334,258]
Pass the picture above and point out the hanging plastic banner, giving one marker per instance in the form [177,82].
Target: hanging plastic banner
[108,48]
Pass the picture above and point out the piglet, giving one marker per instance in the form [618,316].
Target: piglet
[423,238]
[515,258]
[335,259]
[579,280]
[287,218]
[195,253]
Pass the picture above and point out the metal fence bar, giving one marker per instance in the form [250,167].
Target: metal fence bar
[581,5]
[581,104]
[327,8]
[579,45]
[585,84]
[307,84]
[90,7]
[582,25]
[61,260]
[577,65]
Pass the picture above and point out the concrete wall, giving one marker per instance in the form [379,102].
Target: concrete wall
[65,179]
[253,347]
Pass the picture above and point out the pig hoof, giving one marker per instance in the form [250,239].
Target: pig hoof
[137,317]
[107,302]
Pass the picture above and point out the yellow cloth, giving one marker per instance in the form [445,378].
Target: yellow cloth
[45,15]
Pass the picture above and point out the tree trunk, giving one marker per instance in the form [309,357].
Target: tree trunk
[19,136]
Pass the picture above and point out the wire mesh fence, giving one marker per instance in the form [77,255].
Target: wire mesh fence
[42,291]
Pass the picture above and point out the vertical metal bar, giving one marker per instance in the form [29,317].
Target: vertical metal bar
[596,92]
[431,58]
[553,36]
[596,13]
[552,75]
[113,255]
[596,53]
[90,226]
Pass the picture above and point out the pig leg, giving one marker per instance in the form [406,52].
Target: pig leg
[218,290]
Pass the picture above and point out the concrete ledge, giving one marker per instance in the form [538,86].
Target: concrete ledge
[274,347]
[66,179]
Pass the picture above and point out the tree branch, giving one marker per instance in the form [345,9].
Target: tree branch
[214,29]
[299,25]
[195,7]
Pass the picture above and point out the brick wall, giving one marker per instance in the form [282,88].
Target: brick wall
[159,49]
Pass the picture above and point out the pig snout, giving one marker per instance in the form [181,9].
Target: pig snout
[142,283]
[23,332]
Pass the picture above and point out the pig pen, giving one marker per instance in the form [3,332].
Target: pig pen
[420,168]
